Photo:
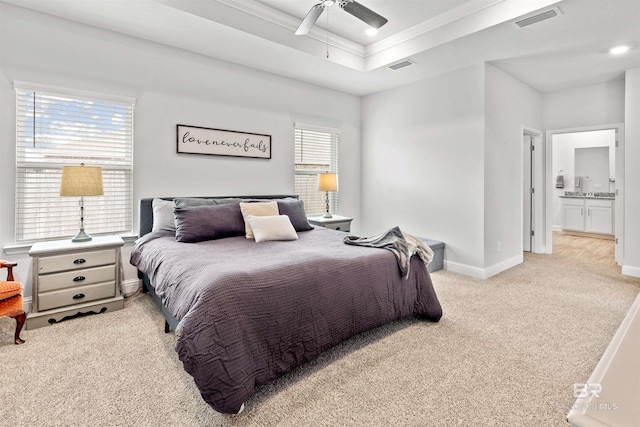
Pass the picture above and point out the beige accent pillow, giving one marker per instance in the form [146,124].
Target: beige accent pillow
[267,228]
[257,209]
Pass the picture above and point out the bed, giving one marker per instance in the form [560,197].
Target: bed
[245,311]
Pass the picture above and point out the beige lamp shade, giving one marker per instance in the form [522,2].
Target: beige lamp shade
[81,181]
[328,182]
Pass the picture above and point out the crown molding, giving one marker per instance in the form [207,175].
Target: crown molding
[282,19]
[452,15]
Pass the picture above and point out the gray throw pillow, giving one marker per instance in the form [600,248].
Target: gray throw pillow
[163,215]
[209,222]
[294,209]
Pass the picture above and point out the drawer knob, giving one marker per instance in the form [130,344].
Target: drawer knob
[79,261]
[79,278]
[78,296]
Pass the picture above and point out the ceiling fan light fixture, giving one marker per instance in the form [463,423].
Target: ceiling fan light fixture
[371,31]
[352,7]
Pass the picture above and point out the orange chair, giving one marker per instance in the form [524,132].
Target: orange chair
[11,300]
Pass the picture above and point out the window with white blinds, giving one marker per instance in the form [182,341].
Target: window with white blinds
[55,130]
[316,151]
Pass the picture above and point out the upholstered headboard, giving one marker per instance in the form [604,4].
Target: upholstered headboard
[145,215]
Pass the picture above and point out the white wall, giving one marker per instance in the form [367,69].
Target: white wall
[564,146]
[171,86]
[600,104]
[631,264]
[422,163]
[442,158]
[510,106]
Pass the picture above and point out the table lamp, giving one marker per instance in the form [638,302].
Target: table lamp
[81,181]
[327,182]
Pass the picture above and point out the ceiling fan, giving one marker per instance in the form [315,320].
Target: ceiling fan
[350,6]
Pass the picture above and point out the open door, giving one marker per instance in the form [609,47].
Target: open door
[527,191]
[532,202]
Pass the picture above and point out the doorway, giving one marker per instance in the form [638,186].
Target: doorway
[585,161]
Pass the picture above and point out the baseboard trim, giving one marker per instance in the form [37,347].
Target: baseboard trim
[586,234]
[467,270]
[503,266]
[628,270]
[483,273]
[130,287]
[27,303]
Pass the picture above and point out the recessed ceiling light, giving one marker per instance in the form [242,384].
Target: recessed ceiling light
[329,2]
[618,50]
[371,31]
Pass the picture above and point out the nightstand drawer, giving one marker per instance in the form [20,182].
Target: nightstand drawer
[75,261]
[334,222]
[55,299]
[340,226]
[74,278]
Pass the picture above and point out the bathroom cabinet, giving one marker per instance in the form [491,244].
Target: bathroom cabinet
[591,215]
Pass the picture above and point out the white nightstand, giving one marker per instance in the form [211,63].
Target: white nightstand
[336,222]
[72,279]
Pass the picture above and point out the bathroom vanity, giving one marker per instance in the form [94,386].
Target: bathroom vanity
[588,214]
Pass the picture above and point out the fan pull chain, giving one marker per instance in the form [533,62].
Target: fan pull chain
[327,32]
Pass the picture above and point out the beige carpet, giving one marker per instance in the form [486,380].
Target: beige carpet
[506,353]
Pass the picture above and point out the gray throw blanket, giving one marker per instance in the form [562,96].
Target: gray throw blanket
[402,245]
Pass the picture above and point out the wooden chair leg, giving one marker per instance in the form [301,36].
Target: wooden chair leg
[20,319]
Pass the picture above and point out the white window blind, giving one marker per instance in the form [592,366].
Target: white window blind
[316,151]
[55,130]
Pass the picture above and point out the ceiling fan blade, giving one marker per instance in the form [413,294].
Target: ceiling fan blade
[309,21]
[364,14]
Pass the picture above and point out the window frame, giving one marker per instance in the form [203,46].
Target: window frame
[117,168]
[333,166]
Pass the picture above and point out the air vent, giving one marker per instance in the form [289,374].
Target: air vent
[401,64]
[538,17]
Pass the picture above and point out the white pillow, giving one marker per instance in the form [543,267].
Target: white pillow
[163,218]
[257,209]
[276,227]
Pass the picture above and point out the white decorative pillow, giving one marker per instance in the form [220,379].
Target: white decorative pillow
[267,228]
[163,218]
[257,209]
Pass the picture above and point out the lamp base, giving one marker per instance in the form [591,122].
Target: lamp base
[327,215]
[81,236]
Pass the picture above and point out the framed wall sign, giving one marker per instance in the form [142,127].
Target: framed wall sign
[218,142]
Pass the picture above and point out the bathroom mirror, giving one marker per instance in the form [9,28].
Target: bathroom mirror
[593,162]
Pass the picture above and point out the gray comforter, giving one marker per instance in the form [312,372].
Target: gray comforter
[250,312]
